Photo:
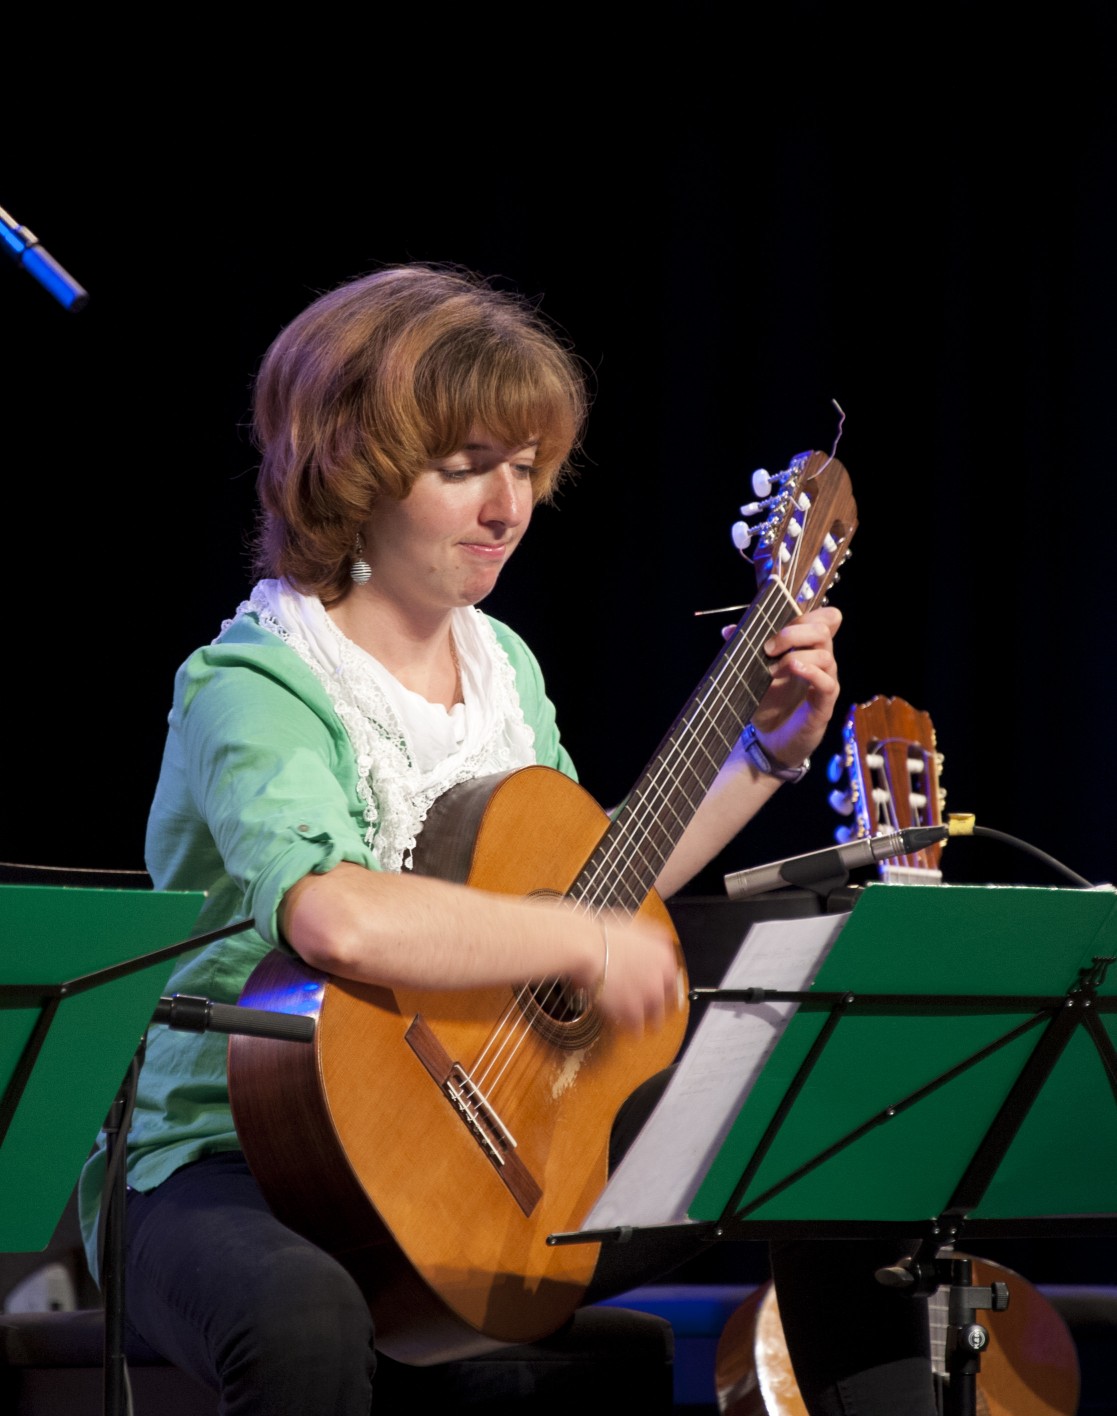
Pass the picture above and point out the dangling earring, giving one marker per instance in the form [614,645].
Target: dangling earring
[360,572]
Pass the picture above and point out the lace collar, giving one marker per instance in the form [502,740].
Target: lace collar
[384,724]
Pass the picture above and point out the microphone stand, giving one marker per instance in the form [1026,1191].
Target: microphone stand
[191,1014]
[24,248]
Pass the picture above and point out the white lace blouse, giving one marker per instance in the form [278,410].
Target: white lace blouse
[408,751]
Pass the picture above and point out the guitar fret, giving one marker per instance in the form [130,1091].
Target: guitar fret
[627,861]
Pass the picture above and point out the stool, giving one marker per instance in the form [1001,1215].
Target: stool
[52,1363]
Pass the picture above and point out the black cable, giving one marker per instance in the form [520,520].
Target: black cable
[1031,850]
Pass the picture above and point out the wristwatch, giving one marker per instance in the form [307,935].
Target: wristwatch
[754,751]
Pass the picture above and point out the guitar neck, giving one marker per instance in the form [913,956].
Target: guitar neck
[647,828]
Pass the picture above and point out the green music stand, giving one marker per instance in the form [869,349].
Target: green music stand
[952,1037]
[81,972]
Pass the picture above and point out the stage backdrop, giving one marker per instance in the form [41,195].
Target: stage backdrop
[733,232]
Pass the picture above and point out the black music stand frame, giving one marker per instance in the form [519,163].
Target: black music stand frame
[752,1198]
[1057,1019]
[40,906]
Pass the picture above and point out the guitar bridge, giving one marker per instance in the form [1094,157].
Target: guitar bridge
[477,1112]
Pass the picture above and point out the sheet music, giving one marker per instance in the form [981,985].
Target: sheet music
[663,1168]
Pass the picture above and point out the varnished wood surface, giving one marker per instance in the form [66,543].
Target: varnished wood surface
[355,1144]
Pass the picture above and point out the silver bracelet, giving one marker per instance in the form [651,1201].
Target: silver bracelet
[756,754]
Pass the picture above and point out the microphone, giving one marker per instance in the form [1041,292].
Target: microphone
[24,248]
[832,865]
[192,1014]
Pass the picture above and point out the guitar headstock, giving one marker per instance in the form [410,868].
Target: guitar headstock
[809,520]
[887,778]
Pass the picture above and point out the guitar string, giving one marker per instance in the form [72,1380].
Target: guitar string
[644,832]
[603,884]
[702,727]
[714,684]
[661,786]
[511,1031]
[917,860]
[714,689]
[777,584]
[601,889]
[599,886]
[508,1037]
[514,1027]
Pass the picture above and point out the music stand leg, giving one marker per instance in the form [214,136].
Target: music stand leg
[112,1258]
[966,1338]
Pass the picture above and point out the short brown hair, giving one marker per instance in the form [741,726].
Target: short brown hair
[380,376]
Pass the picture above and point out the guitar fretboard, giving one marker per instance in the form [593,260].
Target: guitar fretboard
[647,828]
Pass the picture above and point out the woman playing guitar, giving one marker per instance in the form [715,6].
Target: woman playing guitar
[408,424]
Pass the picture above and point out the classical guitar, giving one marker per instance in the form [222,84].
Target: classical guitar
[1030,1367]
[887,777]
[433,1140]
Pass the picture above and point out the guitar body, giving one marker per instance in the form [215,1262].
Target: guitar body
[1030,1367]
[357,1145]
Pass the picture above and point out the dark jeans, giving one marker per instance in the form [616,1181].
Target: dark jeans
[223,1290]
[218,1286]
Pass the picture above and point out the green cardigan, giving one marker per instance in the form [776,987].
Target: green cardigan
[258,788]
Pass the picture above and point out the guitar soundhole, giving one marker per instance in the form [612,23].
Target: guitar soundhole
[564,1016]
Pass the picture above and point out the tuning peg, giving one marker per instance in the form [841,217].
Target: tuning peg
[741,535]
[842,802]
[762,482]
[835,768]
[844,834]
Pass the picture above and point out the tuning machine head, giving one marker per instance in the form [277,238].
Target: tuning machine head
[771,505]
[842,770]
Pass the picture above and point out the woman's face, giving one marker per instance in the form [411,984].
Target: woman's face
[445,543]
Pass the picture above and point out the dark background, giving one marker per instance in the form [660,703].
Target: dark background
[734,228]
[938,258]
